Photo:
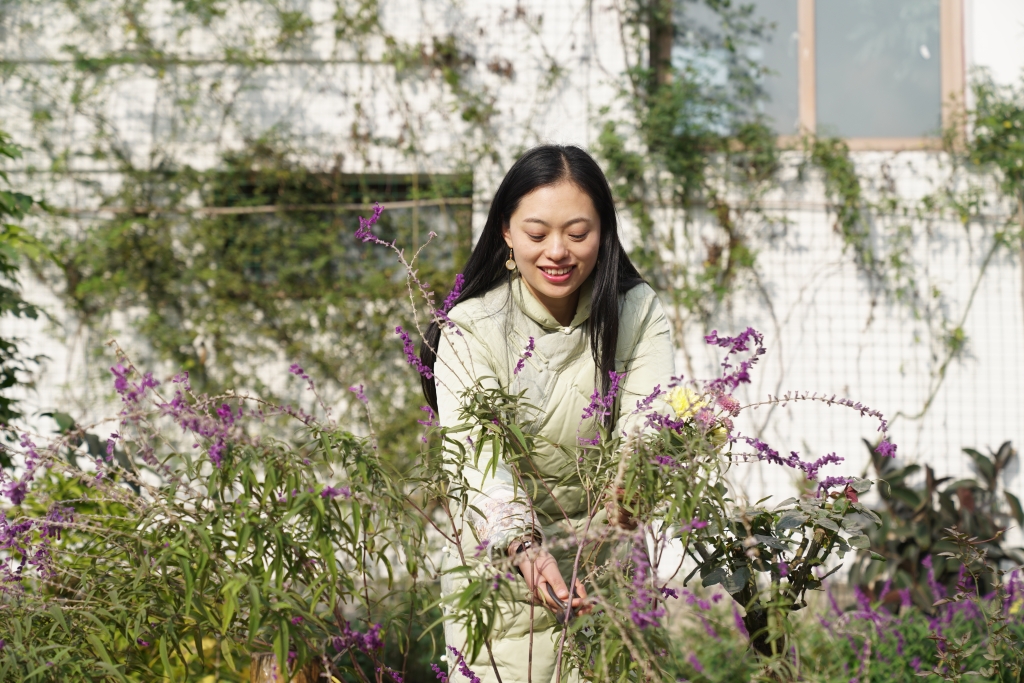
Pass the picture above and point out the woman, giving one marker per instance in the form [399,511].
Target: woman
[550,306]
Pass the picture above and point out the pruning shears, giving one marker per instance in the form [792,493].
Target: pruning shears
[565,611]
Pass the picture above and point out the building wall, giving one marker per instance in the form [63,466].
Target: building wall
[824,331]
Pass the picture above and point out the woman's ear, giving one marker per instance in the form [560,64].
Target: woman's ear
[506,232]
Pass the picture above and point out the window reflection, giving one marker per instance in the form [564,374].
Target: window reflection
[777,53]
[768,44]
[878,71]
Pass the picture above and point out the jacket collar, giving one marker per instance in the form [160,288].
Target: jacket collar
[536,311]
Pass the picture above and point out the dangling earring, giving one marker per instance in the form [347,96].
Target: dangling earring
[510,264]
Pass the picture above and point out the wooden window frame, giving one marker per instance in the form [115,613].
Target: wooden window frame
[951,66]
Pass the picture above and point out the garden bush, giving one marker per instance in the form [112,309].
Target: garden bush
[196,529]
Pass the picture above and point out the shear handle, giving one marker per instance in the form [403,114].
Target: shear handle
[564,612]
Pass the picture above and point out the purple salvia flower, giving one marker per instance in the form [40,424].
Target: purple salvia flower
[693,525]
[16,491]
[743,342]
[440,674]
[601,406]
[695,663]
[645,403]
[527,353]
[453,296]
[296,620]
[364,642]
[332,492]
[783,570]
[359,391]
[463,666]
[886,449]
[431,420]
[643,609]
[410,354]
[834,482]
[364,234]
[834,604]
[938,592]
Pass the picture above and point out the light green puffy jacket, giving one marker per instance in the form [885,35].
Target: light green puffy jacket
[487,342]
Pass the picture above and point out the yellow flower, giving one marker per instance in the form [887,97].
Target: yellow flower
[685,401]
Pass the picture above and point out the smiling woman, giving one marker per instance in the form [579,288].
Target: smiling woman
[552,310]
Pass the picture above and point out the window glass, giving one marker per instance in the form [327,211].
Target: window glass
[877,64]
[766,38]
[778,54]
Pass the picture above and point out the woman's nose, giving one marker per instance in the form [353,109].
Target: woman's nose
[556,248]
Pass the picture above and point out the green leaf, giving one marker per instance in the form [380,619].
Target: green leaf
[164,659]
[860,542]
[737,581]
[861,485]
[791,519]
[225,648]
[715,577]
[827,523]
[1015,507]
[771,542]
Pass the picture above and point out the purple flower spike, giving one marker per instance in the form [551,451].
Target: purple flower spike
[410,354]
[364,234]
[453,296]
[737,619]
[527,353]
[359,391]
[333,492]
[463,666]
[440,675]
[886,449]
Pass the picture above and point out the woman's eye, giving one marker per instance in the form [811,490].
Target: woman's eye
[535,238]
[579,238]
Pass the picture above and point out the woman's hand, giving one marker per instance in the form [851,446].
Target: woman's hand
[540,570]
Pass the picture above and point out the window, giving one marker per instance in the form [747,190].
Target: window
[880,73]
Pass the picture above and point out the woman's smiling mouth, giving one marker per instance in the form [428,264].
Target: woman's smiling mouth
[556,275]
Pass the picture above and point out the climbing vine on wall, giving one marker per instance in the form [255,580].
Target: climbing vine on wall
[213,100]
[692,159]
[209,219]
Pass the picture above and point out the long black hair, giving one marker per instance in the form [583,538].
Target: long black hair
[485,269]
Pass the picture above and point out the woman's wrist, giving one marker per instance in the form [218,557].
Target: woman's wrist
[518,548]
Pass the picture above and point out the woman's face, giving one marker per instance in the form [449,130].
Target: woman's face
[555,234]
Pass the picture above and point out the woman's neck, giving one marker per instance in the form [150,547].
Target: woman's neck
[562,309]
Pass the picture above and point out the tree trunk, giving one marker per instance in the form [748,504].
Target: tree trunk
[263,669]
[661,33]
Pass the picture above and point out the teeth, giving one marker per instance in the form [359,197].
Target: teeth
[556,271]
